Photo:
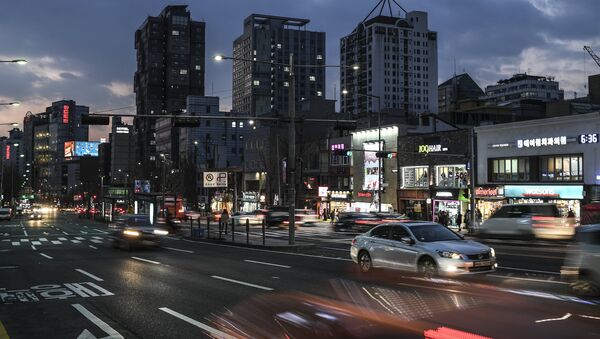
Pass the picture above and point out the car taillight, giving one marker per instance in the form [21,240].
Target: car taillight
[353,241]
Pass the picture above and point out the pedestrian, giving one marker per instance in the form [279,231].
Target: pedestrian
[459,221]
[468,220]
[571,214]
[223,221]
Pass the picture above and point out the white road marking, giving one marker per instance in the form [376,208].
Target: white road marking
[76,241]
[146,260]
[527,279]
[338,249]
[24,240]
[97,237]
[16,243]
[526,270]
[36,243]
[33,248]
[43,239]
[565,317]
[98,322]
[8,267]
[65,233]
[267,263]
[101,231]
[46,256]
[79,238]
[25,232]
[83,232]
[178,250]
[96,241]
[212,331]
[63,239]
[94,247]
[242,283]
[88,274]
[56,242]
[589,317]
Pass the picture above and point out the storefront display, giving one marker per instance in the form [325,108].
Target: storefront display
[449,207]
[250,201]
[567,198]
[371,166]
[454,176]
[488,199]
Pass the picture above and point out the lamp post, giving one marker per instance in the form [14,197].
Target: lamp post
[344,92]
[292,127]
[15,61]
[13,103]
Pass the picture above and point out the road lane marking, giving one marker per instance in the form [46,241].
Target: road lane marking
[528,279]
[36,243]
[178,250]
[96,241]
[46,256]
[94,247]
[564,317]
[95,229]
[25,232]
[24,240]
[33,248]
[338,249]
[98,322]
[146,260]
[43,239]
[267,263]
[527,270]
[242,283]
[8,267]
[56,242]
[65,233]
[16,243]
[76,241]
[88,274]
[79,238]
[97,237]
[211,330]
[63,239]
[83,232]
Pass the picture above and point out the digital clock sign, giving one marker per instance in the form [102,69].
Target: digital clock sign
[589,138]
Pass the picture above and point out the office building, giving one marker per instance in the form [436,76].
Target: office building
[122,153]
[456,89]
[262,88]
[170,66]
[11,164]
[397,61]
[523,86]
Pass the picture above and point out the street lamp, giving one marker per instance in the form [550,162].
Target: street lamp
[13,103]
[345,92]
[16,61]
[292,126]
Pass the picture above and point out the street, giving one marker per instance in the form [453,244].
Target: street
[62,279]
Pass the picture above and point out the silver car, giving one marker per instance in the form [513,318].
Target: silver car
[424,247]
[582,263]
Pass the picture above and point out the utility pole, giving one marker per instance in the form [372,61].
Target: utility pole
[472,175]
[379,142]
[292,153]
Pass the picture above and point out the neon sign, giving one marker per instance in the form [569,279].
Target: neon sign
[65,114]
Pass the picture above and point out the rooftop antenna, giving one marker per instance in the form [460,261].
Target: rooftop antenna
[381,6]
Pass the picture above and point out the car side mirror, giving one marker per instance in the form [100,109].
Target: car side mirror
[407,240]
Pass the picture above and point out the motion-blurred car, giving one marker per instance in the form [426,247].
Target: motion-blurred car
[5,213]
[135,230]
[356,222]
[428,248]
[35,214]
[277,216]
[306,217]
[254,218]
[582,263]
[528,221]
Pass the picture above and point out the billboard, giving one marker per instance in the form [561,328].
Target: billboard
[215,179]
[371,166]
[141,186]
[83,148]
[69,149]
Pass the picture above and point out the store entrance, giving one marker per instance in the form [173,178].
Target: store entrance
[450,209]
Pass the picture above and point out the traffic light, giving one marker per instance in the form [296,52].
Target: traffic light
[87,119]
[186,122]
[385,154]
[341,152]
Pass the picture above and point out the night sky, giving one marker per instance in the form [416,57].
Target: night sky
[84,50]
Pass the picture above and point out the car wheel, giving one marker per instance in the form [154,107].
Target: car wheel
[427,267]
[585,288]
[365,264]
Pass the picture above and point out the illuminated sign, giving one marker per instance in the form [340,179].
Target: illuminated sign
[323,191]
[122,130]
[65,114]
[69,149]
[500,145]
[339,194]
[542,142]
[371,166]
[541,191]
[444,194]
[432,148]
[489,191]
[365,194]
[7,155]
[590,138]
[83,148]
[337,146]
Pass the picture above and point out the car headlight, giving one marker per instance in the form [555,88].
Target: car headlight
[160,232]
[131,233]
[492,252]
[450,255]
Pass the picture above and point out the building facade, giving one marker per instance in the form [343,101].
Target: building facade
[554,160]
[523,86]
[456,89]
[397,60]
[11,165]
[170,66]
[261,88]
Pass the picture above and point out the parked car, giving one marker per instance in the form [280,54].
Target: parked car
[528,221]
[356,222]
[5,213]
[135,230]
[428,248]
[582,263]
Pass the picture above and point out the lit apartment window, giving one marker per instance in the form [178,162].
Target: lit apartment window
[175,33]
[286,84]
[319,57]
[312,78]
[198,67]
[233,124]
[241,124]
[319,93]
[183,71]
[256,82]
[278,46]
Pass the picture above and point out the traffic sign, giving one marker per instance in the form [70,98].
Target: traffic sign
[215,179]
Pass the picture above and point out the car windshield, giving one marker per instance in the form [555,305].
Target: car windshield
[432,233]
[139,222]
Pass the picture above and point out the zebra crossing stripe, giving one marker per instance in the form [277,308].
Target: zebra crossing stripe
[76,241]
[43,239]
[63,239]
[24,240]
[96,241]
[96,237]
[36,243]
[79,238]
[16,243]
[56,242]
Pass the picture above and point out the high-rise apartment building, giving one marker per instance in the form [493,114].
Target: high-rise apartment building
[170,66]
[262,88]
[397,60]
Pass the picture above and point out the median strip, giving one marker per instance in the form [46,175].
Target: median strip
[211,330]
[146,260]
[267,263]
[242,283]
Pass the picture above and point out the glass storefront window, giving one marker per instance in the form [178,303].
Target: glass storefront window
[451,176]
[510,169]
[415,177]
[561,168]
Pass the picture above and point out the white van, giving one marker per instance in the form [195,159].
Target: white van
[528,221]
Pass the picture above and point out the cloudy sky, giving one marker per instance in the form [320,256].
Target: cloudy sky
[84,50]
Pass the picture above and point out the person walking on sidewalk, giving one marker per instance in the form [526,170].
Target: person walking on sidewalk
[224,221]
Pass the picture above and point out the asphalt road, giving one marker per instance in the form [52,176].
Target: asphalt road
[60,278]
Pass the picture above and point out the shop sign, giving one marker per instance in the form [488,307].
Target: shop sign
[122,130]
[250,196]
[544,191]
[444,194]
[117,192]
[323,191]
[542,142]
[589,138]
[365,194]
[338,147]
[339,194]
[489,192]
[432,148]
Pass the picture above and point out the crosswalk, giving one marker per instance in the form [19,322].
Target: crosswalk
[45,241]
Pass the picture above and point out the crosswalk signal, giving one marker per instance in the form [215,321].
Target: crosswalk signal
[385,154]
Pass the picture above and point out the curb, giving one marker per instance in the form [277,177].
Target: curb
[241,244]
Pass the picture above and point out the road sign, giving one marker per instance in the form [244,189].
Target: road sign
[215,179]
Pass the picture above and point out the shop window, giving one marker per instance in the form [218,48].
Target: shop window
[510,169]
[415,177]
[561,168]
[453,176]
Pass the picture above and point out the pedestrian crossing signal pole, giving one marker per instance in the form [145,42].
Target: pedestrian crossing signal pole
[292,153]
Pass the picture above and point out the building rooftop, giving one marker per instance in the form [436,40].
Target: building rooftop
[524,76]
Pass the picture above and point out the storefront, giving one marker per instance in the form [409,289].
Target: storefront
[413,203]
[488,199]
[250,201]
[452,203]
[566,198]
